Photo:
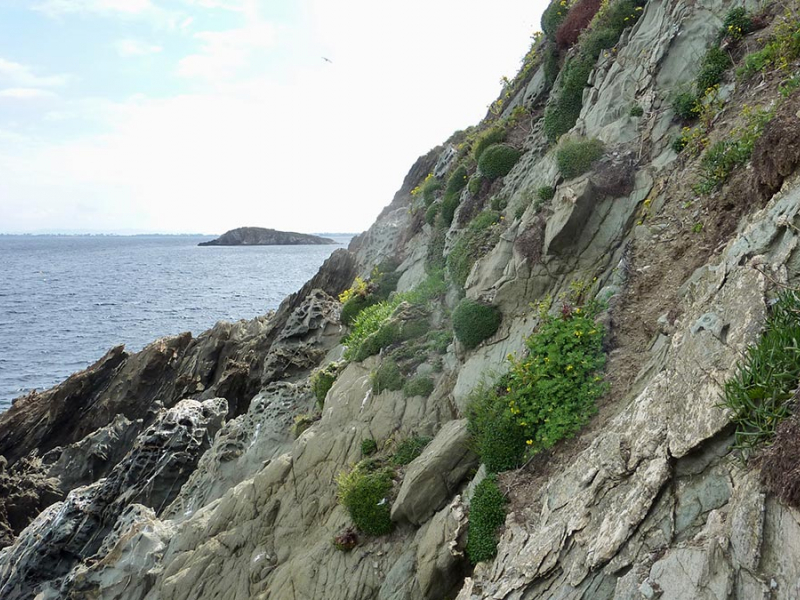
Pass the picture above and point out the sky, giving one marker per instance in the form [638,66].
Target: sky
[198,116]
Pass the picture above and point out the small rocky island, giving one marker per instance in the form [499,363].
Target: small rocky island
[260,236]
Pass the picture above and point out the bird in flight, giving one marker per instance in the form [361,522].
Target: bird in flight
[327,59]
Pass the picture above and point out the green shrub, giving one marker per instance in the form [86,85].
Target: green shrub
[782,48]
[496,436]
[687,106]
[387,377]
[560,115]
[497,160]
[409,449]
[421,385]
[474,322]
[492,136]
[736,25]
[366,324]
[429,189]
[434,256]
[550,65]
[322,381]
[553,16]
[431,213]
[388,333]
[365,494]
[369,447]
[546,192]
[448,210]
[487,513]
[479,237]
[475,183]
[355,305]
[722,158]
[636,111]
[431,288]
[438,340]
[715,62]
[576,156]
[552,392]
[384,278]
[608,26]
[761,393]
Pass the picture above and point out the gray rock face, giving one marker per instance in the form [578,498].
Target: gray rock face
[151,474]
[260,236]
[434,476]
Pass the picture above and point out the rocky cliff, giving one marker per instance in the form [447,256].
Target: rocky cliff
[635,186]
[260,236]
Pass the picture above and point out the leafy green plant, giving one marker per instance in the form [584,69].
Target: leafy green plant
[431,213]
[474,322]
[553,16]
[387,377]
[421,385]
[369,447]
[434,256]
[736,25]
[761,392]
[487,513]
[368,323]
[576,156]
[552,391]
[722,158]
[781,49]
[475,183]
[715,62]
[498,160]
[686,106]
[636,111]
[480,237]
[409,449]
[562,113]
[365,494]
[322,381]
[496,436]
[492,136]
[546,192]
[429,189]
[608,25]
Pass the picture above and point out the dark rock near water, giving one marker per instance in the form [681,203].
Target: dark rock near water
[259,236]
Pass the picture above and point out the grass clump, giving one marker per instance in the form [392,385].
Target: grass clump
[498,160]
[368,447]
[431,213]
[367,324]
[736,25]
[687,106]
[715,62]
[365,495]
[492,136]
[496,437]
[409,449]
[387,377]
[421,385]
[781,49]
[546,192]
[760,394]
[487,513]
[636,111]
[474,322]
[480,236]
[576,156]
[475,184]
[722,158]
[561,115]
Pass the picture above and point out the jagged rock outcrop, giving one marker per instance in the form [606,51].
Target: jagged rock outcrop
[261,236]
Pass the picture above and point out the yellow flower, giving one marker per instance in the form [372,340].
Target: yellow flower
[529,442]
[569,367]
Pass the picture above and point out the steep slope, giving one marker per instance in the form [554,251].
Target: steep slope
[629,172]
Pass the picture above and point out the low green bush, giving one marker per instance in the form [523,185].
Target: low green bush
[736,25]
[365,495]
[322,380]
[480,237]
[715,62]
[487,513]
[546,192]
[429,189]
[387,377]
[496,436]
[576,156]
[562,113]
[781,49]
[761,392]
[475,183]
[431,213]
[409,449]
[368,447]
[354,306]
[492,136]
[474,322]
[498,160]
[550,65]
[367,323]
[434,256]
[458,180]
[421,385]
[448,210]
[687,106]
[636,111]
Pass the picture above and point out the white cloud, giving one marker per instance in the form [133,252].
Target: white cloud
[223,52]
[129,7]
[26,93]
[19,75]
[130,47]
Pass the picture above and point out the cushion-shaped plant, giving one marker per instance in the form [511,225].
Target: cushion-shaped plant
[474,321]
[498,160]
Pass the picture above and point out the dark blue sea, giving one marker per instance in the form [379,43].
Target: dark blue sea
[65,300]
